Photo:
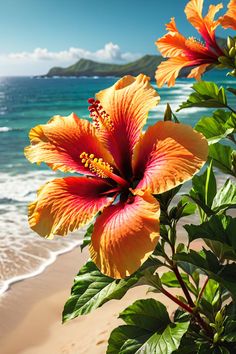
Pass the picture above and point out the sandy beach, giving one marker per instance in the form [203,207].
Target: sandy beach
[30,310]
[31,313]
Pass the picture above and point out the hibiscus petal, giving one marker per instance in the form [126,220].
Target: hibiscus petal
[205,26]
[171,26]
[196,73]
[127,102]
[172,44]
[125,235]
[168,155]
[60,142]
[65,204]
[213,9]
[193,11]
[229,19]
[168,70]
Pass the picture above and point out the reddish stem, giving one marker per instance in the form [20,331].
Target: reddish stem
[177,301]
[203,288]
[187,308]
[183,286]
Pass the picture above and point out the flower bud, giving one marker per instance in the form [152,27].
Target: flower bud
[224,60]
[219,317]
[216,338]
[232,52]
[230,42]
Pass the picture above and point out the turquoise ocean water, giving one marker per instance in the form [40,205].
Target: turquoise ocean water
[24,103]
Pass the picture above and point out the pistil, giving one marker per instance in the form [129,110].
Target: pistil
[101,169]
[100,118]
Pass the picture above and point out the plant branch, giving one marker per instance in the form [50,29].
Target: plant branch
[187,308]
[180,280]
[183,286]
[177,301]
[231,109]
[202,290]
[204,325]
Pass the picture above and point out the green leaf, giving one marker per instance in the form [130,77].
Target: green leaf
[204,186]
[231,122]
[168,113]
[183,208]
[181,316]
[188,207]
[169,279]
[222,156]
[207,94]
[210,302]
[222,350]
[226,197]
[211,292]
[187,345]
[207,262]
[166,197]
[87,237]
[230,331]
[92,289]
[217,127]
[218,229]
[166,342]
[148,314]
[203,191]
[209,349]
[126,339]
[148,330]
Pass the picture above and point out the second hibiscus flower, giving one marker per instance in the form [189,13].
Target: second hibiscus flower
[185,52]
[122,169]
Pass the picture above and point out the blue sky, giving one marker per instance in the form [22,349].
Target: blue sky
[36,35]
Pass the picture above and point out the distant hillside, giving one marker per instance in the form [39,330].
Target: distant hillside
[146,65]
[84,67]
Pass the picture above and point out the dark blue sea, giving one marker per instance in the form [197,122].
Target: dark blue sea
[24,103]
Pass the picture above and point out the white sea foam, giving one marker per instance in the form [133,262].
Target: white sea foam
[5,129]
[24,254]
[21,187]
[5,284]
[175,105]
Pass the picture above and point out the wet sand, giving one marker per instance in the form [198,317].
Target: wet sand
[31,313]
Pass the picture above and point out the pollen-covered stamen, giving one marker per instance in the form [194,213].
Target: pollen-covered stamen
[195,47]
[99,115]
[97,166]
[101,169]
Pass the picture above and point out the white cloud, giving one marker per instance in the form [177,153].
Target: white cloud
[110,53]
[40,60]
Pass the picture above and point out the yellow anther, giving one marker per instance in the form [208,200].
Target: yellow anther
[96,165]
[83,155]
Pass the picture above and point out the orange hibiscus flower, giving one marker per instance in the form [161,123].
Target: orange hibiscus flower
[189,52]
[122,168]
[229,19]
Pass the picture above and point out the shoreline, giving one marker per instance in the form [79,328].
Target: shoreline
[17,302]
[31,313]
[53,258]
